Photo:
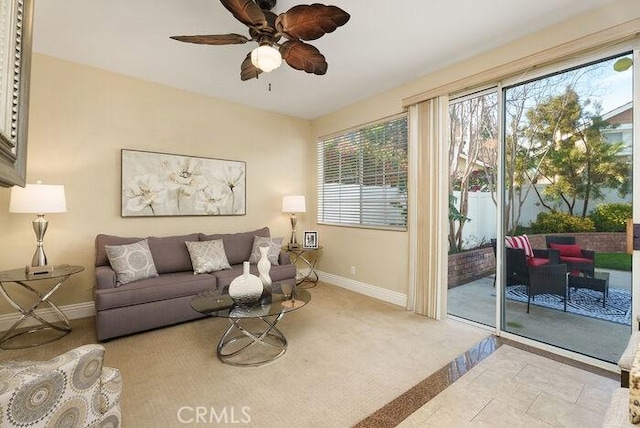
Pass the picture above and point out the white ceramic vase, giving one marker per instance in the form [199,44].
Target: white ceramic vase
[247,288]
[264,266]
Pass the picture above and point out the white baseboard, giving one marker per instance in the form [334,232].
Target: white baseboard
[366,289]
[78,310]
[87,309]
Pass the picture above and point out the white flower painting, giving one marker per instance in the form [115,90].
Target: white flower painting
[159,184]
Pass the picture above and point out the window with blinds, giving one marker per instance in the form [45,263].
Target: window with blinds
[362,176]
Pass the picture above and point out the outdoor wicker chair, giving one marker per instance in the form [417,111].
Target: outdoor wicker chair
[577,260]
[541,274]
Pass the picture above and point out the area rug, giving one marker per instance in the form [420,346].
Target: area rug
[583,302]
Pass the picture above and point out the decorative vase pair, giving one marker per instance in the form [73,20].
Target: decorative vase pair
[248,289]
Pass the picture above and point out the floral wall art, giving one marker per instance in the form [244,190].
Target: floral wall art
[160,184]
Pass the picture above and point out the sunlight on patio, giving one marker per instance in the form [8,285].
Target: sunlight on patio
[602,339]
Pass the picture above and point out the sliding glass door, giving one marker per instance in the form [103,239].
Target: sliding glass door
[567,141]
[473,163]
[545,162]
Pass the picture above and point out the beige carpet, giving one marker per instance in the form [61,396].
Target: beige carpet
[348,356]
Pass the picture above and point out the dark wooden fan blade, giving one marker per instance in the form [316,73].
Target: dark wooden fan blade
[248,70]
[214,39]
[303,56]
[247,12]
[310,22]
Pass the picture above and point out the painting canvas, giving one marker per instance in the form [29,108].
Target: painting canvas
[160,184]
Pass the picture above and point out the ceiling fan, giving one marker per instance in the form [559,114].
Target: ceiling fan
[302,22]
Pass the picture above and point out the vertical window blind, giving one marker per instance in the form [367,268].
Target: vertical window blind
[362,176]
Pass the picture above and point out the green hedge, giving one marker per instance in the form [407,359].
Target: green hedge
[611,217]
[558,222]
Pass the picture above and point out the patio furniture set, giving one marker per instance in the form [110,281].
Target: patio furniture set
[562,266]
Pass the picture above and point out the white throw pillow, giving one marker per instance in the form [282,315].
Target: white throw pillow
[131,262]
[275,244]
[207,256]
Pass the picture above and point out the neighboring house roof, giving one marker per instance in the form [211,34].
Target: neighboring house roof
[620,115]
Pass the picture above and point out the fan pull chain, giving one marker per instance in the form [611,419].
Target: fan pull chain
[269,87]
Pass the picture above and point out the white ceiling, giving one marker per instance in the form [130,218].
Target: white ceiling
[385,44]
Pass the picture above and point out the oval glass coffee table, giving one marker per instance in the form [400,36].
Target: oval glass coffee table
[252,339]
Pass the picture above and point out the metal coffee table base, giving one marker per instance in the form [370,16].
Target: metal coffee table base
[241,345]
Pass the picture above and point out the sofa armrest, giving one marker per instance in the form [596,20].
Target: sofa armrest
[626,359]
[111,382]
[21,373]
[67,378]
[284,259]
[105,277]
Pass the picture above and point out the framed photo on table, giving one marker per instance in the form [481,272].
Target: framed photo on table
[310,239]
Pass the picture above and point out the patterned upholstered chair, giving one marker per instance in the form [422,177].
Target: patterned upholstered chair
[72,389]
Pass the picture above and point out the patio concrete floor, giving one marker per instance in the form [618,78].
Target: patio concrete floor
[596,338]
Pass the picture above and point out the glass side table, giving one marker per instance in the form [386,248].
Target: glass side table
[62,326]
[309,257]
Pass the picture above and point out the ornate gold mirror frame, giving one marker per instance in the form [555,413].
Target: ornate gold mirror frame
[16,25]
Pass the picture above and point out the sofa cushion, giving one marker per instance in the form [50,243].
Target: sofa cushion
[102,240]
[207,256]
[131,262]
[164,287]
[276,273]
[237,245]
[170,253]
[274,244]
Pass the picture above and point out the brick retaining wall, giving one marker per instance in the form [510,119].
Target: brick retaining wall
[470,265]
[604,242]
[475,264]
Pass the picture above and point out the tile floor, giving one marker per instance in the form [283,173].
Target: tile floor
[515,388]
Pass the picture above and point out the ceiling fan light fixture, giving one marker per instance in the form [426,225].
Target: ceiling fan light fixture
[266,58]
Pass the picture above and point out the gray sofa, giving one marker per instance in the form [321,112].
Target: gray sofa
[156,302]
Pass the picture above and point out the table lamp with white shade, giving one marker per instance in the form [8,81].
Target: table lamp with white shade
[293,204]
[39,199]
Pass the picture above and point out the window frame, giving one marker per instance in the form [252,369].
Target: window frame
[321,215]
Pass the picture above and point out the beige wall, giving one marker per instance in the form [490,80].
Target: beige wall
[383,255]
[81,117]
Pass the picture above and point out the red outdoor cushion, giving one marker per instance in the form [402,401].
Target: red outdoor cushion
[537,261]
[567,259]
[572,250]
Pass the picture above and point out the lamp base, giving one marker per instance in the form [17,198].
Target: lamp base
[38,270]
[293,246]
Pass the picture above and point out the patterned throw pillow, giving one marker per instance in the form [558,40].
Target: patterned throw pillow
[521,242]
[207,256]
[275,244]
[131,262]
